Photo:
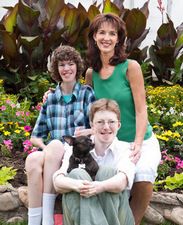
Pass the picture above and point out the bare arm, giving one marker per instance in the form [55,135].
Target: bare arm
[88,77]
[38,142]
[136,80]
[86,188]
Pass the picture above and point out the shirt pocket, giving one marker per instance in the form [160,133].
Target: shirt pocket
[79,118]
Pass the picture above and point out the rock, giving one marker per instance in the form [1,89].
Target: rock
[23,195]
[176,215]
[153,216]
[3,188]
[8,201]
[15,219]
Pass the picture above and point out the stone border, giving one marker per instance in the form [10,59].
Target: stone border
[163,206]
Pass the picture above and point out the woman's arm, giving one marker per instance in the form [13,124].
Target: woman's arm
[65,184]
[135,76]
[115,184]
[86,188]
[88,77]
[38,142]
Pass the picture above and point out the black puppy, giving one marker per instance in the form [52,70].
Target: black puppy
[81,157]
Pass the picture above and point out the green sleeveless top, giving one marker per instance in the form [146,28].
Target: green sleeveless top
[117,87]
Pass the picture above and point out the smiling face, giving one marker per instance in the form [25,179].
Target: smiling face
[105,126]
[106,38]
[67,71]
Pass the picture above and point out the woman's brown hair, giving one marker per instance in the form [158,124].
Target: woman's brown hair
[65,53]
[93,53]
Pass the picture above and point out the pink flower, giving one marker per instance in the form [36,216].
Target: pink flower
[27,143]
[18,113]
[38,106]
[27,128]
[8,101]
[13,105]
[3,108]
[8,144]
[27,113]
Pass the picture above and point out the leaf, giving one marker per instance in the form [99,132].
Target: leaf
[53,9]
[108,7]
[10,21]
[135,24]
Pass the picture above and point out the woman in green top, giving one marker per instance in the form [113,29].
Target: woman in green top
[115,77]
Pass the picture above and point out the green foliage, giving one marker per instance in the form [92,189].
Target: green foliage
[17,119]
[36,86]
[171,183]
[166,53]
[16,223]
[31,30]
[6,174]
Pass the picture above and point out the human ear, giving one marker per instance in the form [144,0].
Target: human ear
[119,125]
[94,37]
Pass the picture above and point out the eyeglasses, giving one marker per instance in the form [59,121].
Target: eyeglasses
[101,123]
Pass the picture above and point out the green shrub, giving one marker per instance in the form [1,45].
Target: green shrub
[6,174]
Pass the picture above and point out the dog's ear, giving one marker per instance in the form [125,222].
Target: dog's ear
[69,139]
[89,135]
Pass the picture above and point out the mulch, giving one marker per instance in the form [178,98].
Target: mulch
[17,161]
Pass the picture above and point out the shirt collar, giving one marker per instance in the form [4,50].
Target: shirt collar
[110,148]
[75,92]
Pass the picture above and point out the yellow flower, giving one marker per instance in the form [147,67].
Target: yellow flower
[178,123]
[10,123]
[168,133]
[1,128]
[17,131]
[27,134]
[176,134]
[162,137]
[7,133]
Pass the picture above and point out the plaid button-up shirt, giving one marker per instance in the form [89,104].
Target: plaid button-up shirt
[58,118]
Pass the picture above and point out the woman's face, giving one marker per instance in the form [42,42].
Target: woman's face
[105,126]
[106,38]
[67,71]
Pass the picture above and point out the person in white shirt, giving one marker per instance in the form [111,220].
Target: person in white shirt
[105,200]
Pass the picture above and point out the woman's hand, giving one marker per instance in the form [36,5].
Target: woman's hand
[91,188]
[135,152]
[80,131]
[45,96]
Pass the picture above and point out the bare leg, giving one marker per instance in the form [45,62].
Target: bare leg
[34,168]
[53,155]
[141,195]
[54,152]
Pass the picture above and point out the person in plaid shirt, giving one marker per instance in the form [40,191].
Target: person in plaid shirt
[66,109]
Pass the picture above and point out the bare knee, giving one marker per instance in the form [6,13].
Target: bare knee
[54,151]
[34,163]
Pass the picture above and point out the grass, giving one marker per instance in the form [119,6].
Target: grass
[18,223]
[165,223]
[25,223]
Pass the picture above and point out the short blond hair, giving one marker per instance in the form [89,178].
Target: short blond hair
[102,105]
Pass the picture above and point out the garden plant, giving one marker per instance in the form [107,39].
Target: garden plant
[32,29]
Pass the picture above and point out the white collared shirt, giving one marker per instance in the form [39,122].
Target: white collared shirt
[116,156]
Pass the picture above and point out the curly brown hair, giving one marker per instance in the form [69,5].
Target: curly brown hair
[93,53]
[65,53]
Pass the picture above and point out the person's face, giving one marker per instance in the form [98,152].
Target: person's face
[105,126]
[106,38]
[67,71]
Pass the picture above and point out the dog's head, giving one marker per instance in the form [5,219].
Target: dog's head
[81,145]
